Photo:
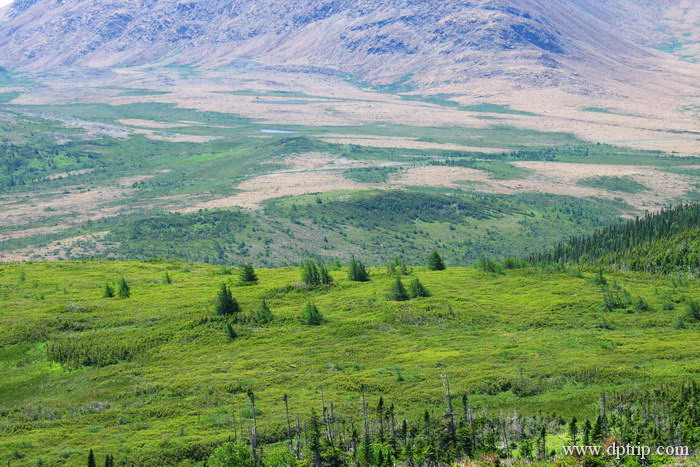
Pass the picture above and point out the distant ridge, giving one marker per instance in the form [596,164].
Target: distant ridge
[426,42]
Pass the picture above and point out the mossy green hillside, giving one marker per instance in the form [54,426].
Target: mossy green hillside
[527,340]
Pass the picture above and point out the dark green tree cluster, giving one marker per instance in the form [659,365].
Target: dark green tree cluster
[661,416]
[663,242]
[399,293]
[315,274]
[357,272]
[21,164]
[123,289]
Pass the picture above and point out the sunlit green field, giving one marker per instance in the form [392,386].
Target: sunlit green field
[526,339]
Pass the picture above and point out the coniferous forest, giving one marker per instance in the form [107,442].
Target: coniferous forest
[667,241]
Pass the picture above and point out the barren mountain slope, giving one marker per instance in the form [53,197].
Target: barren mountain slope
[381,41]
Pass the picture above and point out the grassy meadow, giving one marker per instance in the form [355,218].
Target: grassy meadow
[155,379]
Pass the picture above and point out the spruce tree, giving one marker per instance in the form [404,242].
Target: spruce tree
[398,292]
[692,310]
[357,271]
[324,276]
[167,279]
[314,440]
[309,274]
[109,461]
[573,430]
[247,275]
[263,315]
[230,332]
[587,430]
[435,262]
[226,305]
[311,316]
[108,291]
[91,459]
[124,290]
[416,289]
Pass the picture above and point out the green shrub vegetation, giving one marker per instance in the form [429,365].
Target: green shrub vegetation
[158,380]
[619,184]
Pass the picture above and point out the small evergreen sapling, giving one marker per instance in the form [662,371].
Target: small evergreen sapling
[692,310]
[416,289]
[315,274]
[124,291]
[226,305]
[398,292]
[311,316]
[357,271]
[247,275]
[91,459]
[108,291]
[167,279]
[435,262]
[263,315]
[230,332]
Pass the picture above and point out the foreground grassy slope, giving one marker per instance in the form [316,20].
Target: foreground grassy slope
[529,340]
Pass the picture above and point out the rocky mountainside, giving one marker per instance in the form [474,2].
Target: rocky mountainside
[381,41]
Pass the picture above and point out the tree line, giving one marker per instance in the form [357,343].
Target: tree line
[649,243]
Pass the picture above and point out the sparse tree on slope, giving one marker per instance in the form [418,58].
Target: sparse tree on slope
[311,316]
[247,275]
[358,271]
[263,315]
[398,292]
[435,262]
[108,291]
[124,290]
[416,289]
[226,305]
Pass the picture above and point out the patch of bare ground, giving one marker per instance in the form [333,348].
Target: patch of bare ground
[174,137]
[278,185]
[34,232]
[61,175]
[449,177]
[558,178]
[80,246]
[79,205]
[562,178]
[129,181]
[151,124]
[307,173]
[402,143]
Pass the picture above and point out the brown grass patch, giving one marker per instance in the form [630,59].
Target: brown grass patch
[83,245]
[402,143]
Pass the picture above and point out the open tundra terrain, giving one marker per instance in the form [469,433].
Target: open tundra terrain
[216,218]
[121,118]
